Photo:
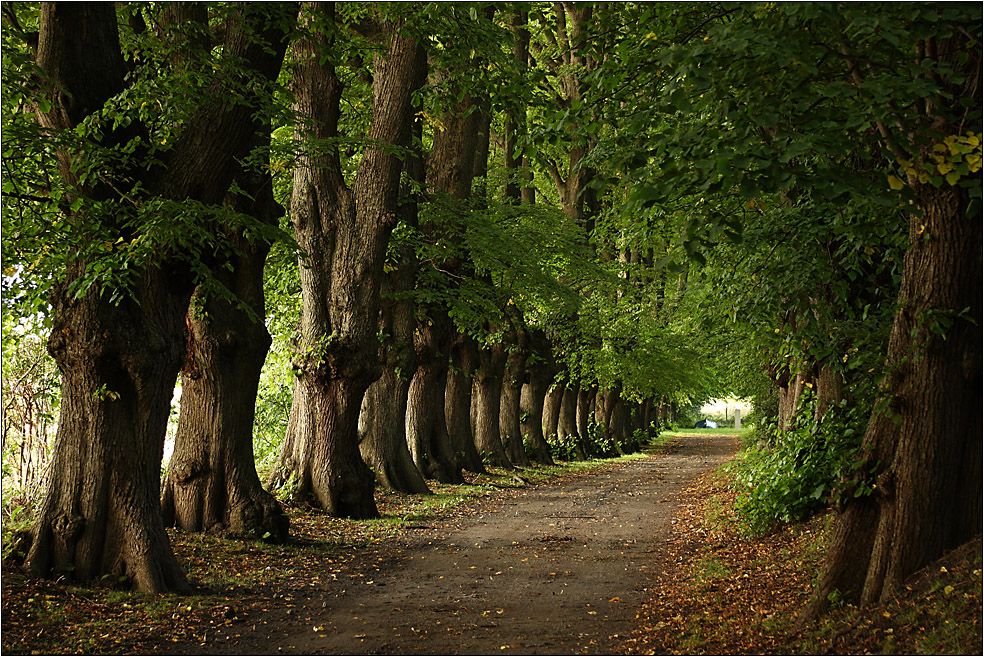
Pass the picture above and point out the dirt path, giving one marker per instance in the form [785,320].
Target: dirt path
[560,568]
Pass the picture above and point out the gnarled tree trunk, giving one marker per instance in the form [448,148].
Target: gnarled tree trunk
[211,481]
[551,410]
[790,391]
[101,512]
[486,398]
[427,430]
[382,421]
[923,438]
[382,424]
[457,402]
[514,374]
[343,233]
[586,402]
[542,369]
[567,422]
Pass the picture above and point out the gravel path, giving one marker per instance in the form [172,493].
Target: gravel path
[559,568]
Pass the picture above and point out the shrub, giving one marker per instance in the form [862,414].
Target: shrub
[788,476]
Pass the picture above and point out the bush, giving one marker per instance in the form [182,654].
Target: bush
[788,476]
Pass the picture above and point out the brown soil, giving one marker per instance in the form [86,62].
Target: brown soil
[559,568]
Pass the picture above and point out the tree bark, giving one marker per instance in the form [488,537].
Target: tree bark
[101,511]
[457,403]
[790,391]
[450,171]
[551,410]
[427,430]
[382,424]
[923,440]
[486,400]
[542,369]
[829,388]
[606,404]
[343,233]
[922,436]
[567,423]
[586,404]
[514,376]
[211,482]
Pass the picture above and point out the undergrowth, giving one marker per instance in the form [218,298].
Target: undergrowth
[737,591]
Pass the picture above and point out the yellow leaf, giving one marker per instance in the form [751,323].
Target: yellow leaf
[947,590]
[944,167]
[895,183]
[953,177]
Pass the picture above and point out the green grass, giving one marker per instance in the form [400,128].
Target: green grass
[726,431]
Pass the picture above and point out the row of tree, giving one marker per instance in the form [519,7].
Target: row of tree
[503,224]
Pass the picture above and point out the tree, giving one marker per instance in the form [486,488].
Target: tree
[542,369]
[343,232]
[450,172]
[920,442]
[140,199]
[906,96]
[211,480]
[514,375]
[383,428]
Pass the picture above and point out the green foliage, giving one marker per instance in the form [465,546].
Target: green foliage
[787,476]
[31,397]
[98,225]
[276,386]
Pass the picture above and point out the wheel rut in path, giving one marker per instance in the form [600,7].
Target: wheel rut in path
[559,568]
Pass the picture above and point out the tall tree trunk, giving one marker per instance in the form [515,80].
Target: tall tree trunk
[922,438]
[551,411]
[343,233]
[829,389]
[427,430]
[620,429]
[923,441]
[101,513]
[647,415]
[542,369]
[382,422]
[119,361]
[607,401]
[450,171]
[514,376]
[790,391]
[586,400]
[457,403]
[211,481]
[486,399]
[567,423]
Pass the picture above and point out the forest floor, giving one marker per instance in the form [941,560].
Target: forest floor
[636,555]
